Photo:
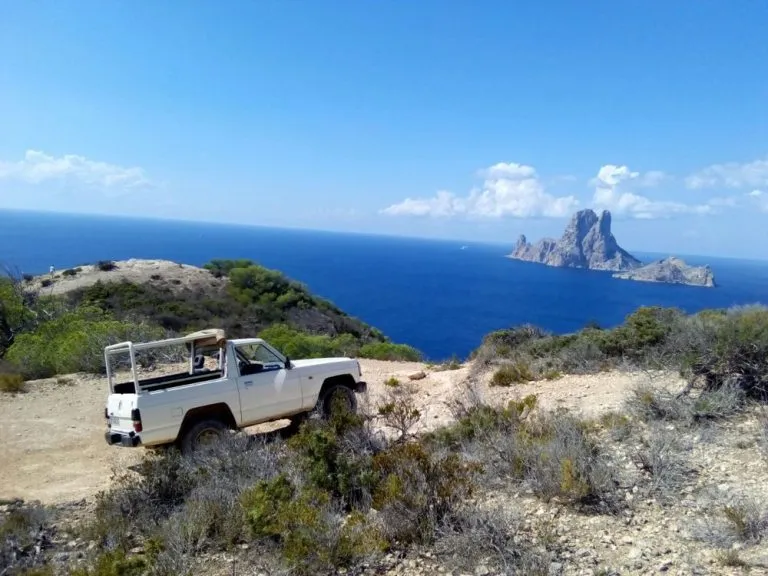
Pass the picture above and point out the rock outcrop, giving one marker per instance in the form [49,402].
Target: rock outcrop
[671,270]
[586,243]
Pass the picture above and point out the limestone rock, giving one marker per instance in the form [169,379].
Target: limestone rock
[586,243]
[671,270]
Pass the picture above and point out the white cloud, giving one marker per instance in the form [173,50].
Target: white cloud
[612,192]
[759,198]
[730,175]
[509,189]
[38,167]
[611,175]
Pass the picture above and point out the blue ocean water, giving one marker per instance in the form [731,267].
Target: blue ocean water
[440,296]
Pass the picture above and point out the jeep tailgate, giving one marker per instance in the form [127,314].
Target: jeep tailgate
[119,412]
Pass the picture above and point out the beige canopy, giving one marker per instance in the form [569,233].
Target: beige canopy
[210,337]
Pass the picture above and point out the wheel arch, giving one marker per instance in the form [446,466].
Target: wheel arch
[219,411]
[346,380]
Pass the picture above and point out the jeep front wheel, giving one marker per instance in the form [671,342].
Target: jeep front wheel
[337,399]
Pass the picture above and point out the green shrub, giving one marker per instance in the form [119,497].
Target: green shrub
[70,272]
[297,344]
[732,349]
[11,383]
[311,535]
[265,505]
[389,351]
[46,283]
[219,267]
[73,342]
[115,563]
[418,490]
[336,458]
[27,277]
[512,373]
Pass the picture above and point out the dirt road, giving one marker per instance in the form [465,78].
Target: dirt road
[52,446]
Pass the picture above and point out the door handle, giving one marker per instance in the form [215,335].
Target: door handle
[248,383]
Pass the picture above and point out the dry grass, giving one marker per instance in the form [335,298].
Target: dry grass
[11,383]
[661,459]
[744,521]
[649,403]
[490,538]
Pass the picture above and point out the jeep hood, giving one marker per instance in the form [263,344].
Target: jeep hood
[319,362]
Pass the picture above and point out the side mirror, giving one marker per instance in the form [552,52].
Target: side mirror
[287,363]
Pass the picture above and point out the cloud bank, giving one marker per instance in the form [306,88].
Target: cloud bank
[38,167]
[508,189]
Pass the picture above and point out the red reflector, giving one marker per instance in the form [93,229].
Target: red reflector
[137,427]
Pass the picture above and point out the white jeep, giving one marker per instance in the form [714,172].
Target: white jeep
[228,385]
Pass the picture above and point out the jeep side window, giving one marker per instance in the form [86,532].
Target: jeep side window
[254,358]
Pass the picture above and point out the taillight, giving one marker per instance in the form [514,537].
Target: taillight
[136,417]
[106,414]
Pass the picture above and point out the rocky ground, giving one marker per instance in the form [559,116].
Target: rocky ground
[138,271]
[668,522]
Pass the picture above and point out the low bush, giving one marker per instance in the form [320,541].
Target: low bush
[28,277]
[106,265]
[25,535]
[11,383]
[661,460]
[312,535]
[491,538]
[115,563]
[46,283]
[512,373]
[560,459]
[649,404]
[398,412]
[71,272]
[618,425]
[389,351]
[418,490]
[742,521]
[554,454]
[220,267]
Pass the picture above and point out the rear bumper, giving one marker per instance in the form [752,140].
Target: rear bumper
[127,440]
[361,387]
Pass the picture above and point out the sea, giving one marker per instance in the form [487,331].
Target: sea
[440,296]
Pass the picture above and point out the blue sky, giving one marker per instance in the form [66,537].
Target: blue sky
[460,119]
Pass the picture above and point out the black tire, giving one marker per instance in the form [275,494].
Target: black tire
[199,434]
[337,393]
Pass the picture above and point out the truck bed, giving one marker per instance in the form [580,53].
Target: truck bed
[167,381]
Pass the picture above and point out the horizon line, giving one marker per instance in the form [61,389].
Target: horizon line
[499,243]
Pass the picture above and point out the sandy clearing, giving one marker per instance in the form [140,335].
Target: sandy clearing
[52,446]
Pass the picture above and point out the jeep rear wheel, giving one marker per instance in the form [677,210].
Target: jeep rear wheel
[204,433]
